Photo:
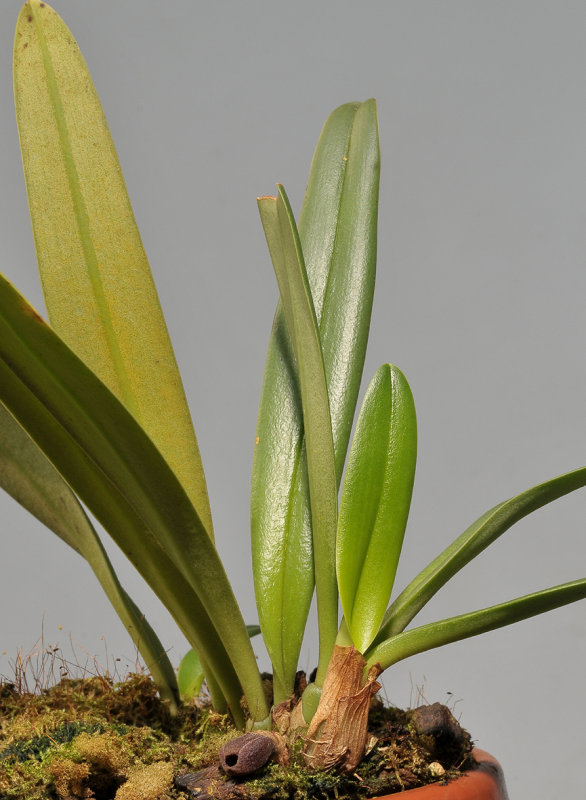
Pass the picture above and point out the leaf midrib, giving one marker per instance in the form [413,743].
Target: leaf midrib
[81,215]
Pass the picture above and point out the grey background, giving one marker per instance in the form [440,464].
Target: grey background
[480,300]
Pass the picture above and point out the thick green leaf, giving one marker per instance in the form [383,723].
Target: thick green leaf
[285,249]
[375,502]
[95,275]
[337,228]
[190,676]
[473,541]
[338,233]
[436,634]
[113,466]
[30,478]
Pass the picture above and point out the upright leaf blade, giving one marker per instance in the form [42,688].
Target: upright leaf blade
[285,249]
[485,530]
[95,275]
[337,229]
[30,478]
[375,502]
[338,233]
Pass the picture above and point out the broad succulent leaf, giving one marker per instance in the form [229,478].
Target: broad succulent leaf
[285,249]
[375,501]
[337,230]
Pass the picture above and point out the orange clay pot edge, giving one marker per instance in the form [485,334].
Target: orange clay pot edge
[484,783]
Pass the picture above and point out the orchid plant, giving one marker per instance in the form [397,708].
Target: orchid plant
[93,412]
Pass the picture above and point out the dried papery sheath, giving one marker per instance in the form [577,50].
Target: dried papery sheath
[338,732]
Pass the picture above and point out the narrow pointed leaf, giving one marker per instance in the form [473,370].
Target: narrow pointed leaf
[113,466]
[30,478]
[375,502]
[436,634]
[96,279]
[337,229]
[469,544]
[287,258]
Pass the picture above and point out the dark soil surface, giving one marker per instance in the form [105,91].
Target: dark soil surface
[92,738]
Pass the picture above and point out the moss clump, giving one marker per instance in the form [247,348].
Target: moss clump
[98,739]
[148,783]
[70,779]
[88,738]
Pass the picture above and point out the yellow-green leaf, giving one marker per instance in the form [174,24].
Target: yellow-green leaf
[96,279]
[30,478]
[118,473]
[190,676]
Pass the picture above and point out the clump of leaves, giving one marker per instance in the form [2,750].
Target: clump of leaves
[94,412]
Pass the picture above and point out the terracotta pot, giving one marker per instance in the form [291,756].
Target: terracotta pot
[485,783]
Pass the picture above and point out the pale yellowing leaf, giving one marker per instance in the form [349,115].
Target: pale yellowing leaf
[96,279]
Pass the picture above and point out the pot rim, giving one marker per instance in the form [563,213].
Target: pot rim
[486,782]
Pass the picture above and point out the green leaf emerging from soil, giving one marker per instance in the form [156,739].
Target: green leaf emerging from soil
[337,229]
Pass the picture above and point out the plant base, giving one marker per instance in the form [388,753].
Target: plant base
[91,738]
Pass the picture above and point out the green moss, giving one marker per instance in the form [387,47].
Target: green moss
[85,738]
[97,739]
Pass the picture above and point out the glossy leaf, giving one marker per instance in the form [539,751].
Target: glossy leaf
[30,478]
[436,634]
[112,465]
[473,541]
[375,502]
[95,275]
[285,249]
[337,229]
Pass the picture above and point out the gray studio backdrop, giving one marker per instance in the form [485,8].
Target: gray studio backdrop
[480,300]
